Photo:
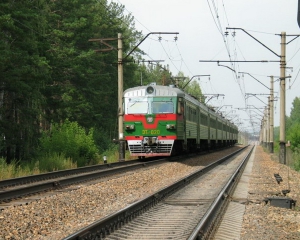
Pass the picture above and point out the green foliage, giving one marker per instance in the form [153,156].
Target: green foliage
[295,113]
[191,86]
[296,159]
[293,136]
[6,170]
[50,72]
[23,72]
[293,132]
[112,153]
[103,137]
[54,161]
[71,141]
[16,169]
[276,139]
[146,74]
[46,163]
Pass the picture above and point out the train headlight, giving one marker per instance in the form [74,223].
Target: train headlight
[171,126]
[150,90]
[130,127]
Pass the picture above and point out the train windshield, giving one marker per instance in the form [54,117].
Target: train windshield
[137,107]
[162,107]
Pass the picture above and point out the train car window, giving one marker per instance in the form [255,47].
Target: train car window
[193,115]
[203,119]
[137,107]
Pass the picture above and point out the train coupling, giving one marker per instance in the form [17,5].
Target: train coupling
[150,141]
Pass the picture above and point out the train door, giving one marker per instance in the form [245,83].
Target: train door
[208,130]
[180,125]
[180,118]
[198,127]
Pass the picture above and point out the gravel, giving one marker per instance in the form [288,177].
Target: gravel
[261,220]
[58,216]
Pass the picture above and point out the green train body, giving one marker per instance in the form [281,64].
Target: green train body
[164,120]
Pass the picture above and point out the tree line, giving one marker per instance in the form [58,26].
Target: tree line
[50,72]
[292,133]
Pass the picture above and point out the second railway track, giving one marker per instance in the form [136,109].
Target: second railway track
[57,214]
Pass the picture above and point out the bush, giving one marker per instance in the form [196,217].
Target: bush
[294,136]
[69,140]
[296,159]
[16,169]
[6,170]
[55,161]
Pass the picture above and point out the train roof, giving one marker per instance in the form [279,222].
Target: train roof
[159,91]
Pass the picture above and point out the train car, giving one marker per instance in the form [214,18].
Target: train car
[164,120]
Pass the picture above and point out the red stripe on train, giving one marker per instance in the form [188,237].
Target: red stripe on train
[143,119]
[159,137]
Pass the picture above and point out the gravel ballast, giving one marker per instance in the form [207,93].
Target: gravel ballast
[261,220]
[58,216]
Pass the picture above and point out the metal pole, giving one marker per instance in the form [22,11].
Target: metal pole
[265,126]
[268,126]
[261,133]
[282,152]
[120,99]
[272,116]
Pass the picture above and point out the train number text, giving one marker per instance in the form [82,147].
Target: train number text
[152,132]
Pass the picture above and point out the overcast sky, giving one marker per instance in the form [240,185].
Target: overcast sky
[201,25]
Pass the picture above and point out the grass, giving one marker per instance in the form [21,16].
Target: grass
[296,160]
[14,169]
[50,163]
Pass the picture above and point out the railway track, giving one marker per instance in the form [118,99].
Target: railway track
[16,188]
[187,209]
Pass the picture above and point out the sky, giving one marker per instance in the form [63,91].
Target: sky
[201,27]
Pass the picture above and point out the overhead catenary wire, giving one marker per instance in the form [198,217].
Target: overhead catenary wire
[219,27]
[160,40]
[234,45]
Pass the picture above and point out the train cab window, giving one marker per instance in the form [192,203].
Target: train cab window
[162,107]
[137,107]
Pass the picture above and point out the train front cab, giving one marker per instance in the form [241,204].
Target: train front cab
[152,120]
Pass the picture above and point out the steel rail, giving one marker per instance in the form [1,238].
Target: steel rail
[105,226]
[207,222]
[57,174]
[59,182]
